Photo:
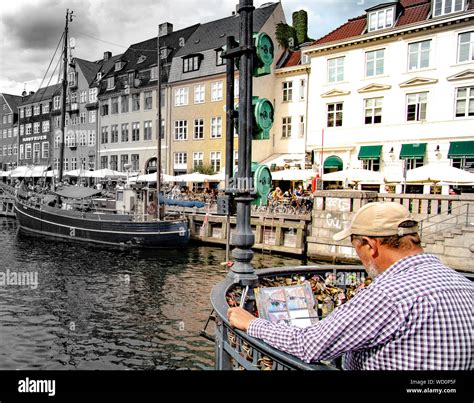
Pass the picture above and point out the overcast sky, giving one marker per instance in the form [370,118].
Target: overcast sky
[30,29]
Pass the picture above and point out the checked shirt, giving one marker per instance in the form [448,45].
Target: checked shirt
[416,315]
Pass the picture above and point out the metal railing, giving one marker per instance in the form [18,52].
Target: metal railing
[463,211]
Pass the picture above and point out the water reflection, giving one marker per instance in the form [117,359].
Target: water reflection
[101,308]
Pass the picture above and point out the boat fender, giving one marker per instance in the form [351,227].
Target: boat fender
[151,208]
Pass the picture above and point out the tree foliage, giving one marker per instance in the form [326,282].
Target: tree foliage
[204,169]
[290,37]
[285,35]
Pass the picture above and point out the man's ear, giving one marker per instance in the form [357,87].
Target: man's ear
[374,246]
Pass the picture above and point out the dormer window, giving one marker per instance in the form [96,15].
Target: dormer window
[118,65]
[191,63]
[110,83]
[443,7]
[381,19]
[141,59]
[219,60]
[99,76]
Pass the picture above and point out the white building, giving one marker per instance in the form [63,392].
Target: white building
[394,89]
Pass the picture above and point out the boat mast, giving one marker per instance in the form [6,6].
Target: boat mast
[64,89]
[158,129]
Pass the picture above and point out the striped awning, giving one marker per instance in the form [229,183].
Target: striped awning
[370,152]
[413,151]
[461,149]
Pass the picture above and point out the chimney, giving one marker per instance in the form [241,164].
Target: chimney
[23,94]
[107,56]
[165,29]
[32,92]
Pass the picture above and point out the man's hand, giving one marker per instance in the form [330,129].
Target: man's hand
[240,318]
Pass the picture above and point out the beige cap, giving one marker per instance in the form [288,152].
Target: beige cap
[378,220]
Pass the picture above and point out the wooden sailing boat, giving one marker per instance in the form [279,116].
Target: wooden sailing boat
[77,213]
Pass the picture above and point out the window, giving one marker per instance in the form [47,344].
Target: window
[148,100]
[82,118]
[334,115]
[287,91]
[22,113]
[162,134]
[92,116]
[36,153]
[28,111]
[416,106]
[419,55]
[73,97]
[114,134]
[124,129]
[110,83]
[83,97]
[147,130]
[442,7]
[10,132]
[180,96]
[118,65]
[465,163]
[135,102]
[105,108]
[71,139]
[180,158]
[114,162]
[216,160]
[104,135]
[371,165]
[135,162]
[22,152]
[4,119]
[45,126]
[374,63]
[104,162]
[198,159]
[373,111]
[181,130]
[412,163]
[302,90]
[153,75]
[5,133]
[114,105]
[219,60]
[45,150]
[336,70]
[9,149]
[36,110]
[15,131]
[73,163]
[191,63]
[286,127]
[381,19]
[464,102]
[93,95]
[15,149]
[36,127]
[136,131]
[5,150]
[57,121]
[301,131]
[57,141]
[124,103]
[92,138]
[466,47]
[198,129]
[28,128]
[199,93]
[83,138]
[22,130]
[216,91]
[123,162]
[216,127]
[72,79]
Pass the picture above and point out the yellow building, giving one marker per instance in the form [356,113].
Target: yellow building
[196,124]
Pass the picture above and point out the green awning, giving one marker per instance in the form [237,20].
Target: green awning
[413,151]
[333,162]
[461,149]
[370,152]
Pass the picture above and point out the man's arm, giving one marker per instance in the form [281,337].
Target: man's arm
[368,319]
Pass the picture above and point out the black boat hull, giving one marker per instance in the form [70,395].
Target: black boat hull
[109,229]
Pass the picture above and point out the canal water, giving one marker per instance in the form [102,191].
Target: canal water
[76,306]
